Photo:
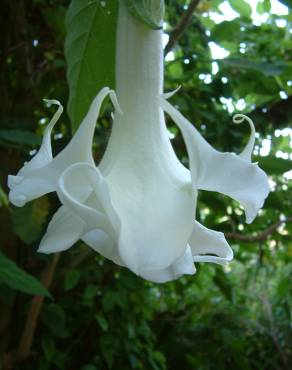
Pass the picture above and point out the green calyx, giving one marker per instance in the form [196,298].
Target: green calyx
[149,12]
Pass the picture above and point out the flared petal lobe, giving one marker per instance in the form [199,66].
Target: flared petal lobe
[84,191]
[64,230]
[155,204]
[40,175]
[22,184]
[226,173]
[184,265]
[151,228]
[205,245]
[209,246]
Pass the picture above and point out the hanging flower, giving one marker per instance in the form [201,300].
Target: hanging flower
[138,207]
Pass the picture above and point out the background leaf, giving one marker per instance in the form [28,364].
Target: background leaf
[241,7]
[89,51]
[3,198]
[273,165]
[18,279]
[71,279]
[268,69]
[225,31]
[20,137]
[287,3]
[28,221]
[54,319]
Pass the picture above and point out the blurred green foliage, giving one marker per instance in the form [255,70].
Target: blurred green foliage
[102,316]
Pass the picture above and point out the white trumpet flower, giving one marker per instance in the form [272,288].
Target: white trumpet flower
[138,206]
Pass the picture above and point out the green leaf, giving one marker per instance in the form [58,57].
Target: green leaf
[241,7]
[89,367]
[54,17]
[48,346]
[90,293]
[284,287]
[7,295]
[268,69]
[287,3]
[267,5]
[3,198]
[71,279]
[109,300]
[264,7]
[221,280]
[53,317]
[149,12]
[90,52]
[225,31]
[102,321]
[18,279]
[260,8]
[274,166]
[28,221]
[19,137]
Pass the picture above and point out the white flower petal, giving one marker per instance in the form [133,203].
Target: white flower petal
[204,241]
[80,147]
[156,224]
[183,266]
[75,191]
[41,174]
[25,186]
[226,173]
[247,151]
[63,231]
[44,155]
[30,188]
[84,191]
[171,93]
[150,224]
[99,241]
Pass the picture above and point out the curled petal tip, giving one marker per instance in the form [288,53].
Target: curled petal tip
[53,101]
[247,151]
[239,118]
[171,93]
[114,100]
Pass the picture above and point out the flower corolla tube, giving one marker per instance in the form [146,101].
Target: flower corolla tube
[137,208]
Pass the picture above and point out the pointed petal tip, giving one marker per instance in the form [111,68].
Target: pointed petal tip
[171,93]
[46,247]
[115,102]
[252,209]
[44,250]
